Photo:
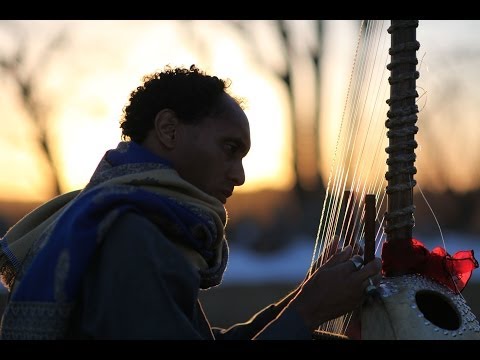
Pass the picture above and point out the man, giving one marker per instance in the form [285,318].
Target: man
[126,257]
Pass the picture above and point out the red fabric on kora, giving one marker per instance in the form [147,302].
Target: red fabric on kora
[412,257]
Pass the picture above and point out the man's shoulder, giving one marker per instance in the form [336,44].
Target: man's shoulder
[135,233]
[133,224]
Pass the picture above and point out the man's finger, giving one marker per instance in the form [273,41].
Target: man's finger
[340,257]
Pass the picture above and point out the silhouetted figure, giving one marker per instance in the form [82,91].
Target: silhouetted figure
[126,257]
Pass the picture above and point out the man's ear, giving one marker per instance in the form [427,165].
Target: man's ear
[166,122]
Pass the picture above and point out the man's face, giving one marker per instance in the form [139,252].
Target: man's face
[209,155]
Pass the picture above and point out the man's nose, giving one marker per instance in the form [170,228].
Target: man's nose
[237,174]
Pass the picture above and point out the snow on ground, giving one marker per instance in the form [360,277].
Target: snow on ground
[291,263]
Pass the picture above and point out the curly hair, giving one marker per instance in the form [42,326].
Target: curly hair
[190,93]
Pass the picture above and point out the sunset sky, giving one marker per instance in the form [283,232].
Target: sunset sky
[86,82]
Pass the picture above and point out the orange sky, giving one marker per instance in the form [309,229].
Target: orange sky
[88,79]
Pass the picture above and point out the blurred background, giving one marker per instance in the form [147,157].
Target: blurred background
[64,84]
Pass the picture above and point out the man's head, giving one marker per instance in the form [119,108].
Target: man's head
[188,118]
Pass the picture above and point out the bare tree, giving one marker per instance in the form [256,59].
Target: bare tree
[316,56]
[26,80]
[304,135]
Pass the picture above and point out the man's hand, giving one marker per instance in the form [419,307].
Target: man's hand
[335,288]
